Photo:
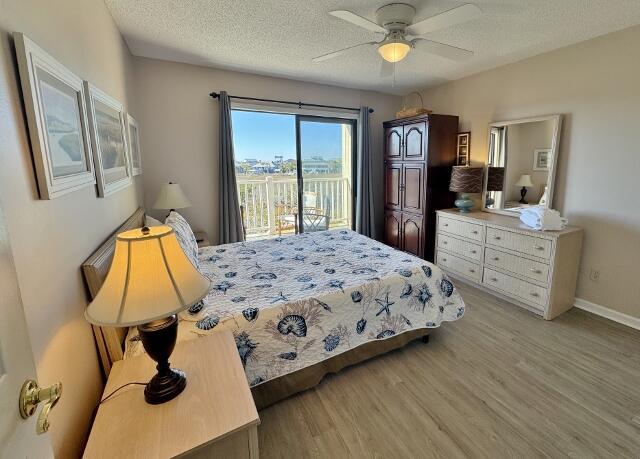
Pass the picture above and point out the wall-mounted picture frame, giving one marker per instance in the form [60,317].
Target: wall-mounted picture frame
[134,145]
[55,104]
[107,125]
[541,159]
[462,149]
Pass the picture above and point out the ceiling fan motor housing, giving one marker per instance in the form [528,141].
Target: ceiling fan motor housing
[395,16]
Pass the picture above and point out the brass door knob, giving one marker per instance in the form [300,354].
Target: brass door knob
[31,395]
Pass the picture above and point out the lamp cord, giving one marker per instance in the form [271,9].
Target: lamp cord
[119,388]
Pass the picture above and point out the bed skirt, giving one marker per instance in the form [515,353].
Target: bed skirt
[278,389]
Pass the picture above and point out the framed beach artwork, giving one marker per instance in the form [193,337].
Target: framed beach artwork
[107,123]
[541,159]
[462,149]
[55,103]
[134,145]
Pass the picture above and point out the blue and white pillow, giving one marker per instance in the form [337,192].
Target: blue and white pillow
[185,236]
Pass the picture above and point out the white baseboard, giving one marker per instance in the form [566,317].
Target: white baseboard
[620,317]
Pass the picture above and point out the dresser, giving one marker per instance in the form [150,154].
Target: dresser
[537,270]
[418,155]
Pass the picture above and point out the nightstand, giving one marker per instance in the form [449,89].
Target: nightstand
[202,238]
[214,417]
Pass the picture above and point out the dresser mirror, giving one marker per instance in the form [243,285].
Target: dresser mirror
[521,164]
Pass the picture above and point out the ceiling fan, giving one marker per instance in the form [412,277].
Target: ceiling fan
[401,34]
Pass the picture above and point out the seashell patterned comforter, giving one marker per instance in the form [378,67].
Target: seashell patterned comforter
[294,301]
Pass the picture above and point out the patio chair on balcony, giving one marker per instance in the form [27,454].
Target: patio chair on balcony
[286,217]
[314,219]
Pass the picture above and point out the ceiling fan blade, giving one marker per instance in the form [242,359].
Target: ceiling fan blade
[358,20]
[331,55]
[447,19]
[386,69]
[442,50]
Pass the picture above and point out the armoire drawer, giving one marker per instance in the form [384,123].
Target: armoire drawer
[460,228]
[516,287]
[458,246]
[531,245]
[459,265]
[523,266]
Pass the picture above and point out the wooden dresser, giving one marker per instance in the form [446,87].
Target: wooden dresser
[419,153]
[537,270]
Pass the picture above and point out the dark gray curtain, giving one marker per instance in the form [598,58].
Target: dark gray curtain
[365,221]
[229,217]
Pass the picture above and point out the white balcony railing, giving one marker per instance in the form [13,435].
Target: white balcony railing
[259,196]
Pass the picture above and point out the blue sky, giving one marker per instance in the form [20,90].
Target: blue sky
[260,135]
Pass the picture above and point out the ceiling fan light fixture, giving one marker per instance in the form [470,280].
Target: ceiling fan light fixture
[394,50]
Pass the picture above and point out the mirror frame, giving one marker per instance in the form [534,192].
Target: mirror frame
[555,147]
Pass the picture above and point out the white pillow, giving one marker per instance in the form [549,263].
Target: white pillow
[185,236]
[150,221]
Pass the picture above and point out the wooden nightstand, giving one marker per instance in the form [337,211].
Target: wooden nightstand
[202,238]
[214,417]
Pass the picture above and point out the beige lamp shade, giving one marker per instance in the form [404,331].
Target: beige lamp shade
[150,278]
[171,196]
[466,179]
[524,180]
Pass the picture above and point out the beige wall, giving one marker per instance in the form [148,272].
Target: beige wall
[179,127]
[51,239]
[595,85]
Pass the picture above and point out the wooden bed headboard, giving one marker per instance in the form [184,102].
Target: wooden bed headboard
[110,341]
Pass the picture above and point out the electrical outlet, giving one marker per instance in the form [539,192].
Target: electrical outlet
[594,275]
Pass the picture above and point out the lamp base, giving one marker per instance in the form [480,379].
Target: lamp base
[159,338]
[523,193]
[464,204]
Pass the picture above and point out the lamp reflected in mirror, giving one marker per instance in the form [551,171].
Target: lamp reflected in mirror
[525,182]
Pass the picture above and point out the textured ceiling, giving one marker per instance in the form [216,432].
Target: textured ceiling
[279,37]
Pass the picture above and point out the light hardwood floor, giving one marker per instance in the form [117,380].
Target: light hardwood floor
[501,382]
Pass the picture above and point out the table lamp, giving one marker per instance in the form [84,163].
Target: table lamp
[171,197]
[495,182]
[150,280]
[524,181]
[465,179]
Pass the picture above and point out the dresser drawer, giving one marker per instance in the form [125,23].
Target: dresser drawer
[515,287]
[523,266]
[460,247]
[459,265]
[530,245]
[460,228]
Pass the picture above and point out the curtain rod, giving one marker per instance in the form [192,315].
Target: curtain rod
[215,95]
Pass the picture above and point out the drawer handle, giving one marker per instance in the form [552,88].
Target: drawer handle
[534,294]
[444,242]
[473,251]
[534,270]
[474,232]
[497,237]
[494,279]
[446,224]
[538,247]
[495,258]
[472,270]
[444,259]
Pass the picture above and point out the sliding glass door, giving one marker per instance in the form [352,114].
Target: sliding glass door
[325,160]
[294,172]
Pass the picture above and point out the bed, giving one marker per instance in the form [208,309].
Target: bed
[304,305]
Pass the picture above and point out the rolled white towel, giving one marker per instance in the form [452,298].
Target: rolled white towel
[539,218]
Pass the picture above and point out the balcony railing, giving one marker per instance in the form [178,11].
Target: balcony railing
[260,196]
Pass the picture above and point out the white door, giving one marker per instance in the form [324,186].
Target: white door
[18,438]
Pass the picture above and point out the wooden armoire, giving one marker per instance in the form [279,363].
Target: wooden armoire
[419,153]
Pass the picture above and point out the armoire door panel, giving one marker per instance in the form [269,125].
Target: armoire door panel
[412,235]
[415,141]
[393,142]
[392,226]
[393,185]
[413,187]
